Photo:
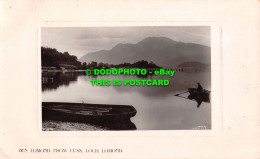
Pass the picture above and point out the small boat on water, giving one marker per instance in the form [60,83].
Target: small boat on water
[196,95]
[203,95]
[112,116]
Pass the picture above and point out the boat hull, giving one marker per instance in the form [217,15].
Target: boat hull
[110,116]
[203,95]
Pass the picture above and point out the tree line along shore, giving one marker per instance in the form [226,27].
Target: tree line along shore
[54,60]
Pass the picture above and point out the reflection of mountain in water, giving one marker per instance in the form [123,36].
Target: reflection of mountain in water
[179,82]
[58,79]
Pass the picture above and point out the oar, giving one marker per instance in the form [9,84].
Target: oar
[187,98]
[180,93]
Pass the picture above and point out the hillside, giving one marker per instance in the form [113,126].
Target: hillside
[162,51]
[50,57]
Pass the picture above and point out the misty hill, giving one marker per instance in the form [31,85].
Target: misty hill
[193,64]
[162,51]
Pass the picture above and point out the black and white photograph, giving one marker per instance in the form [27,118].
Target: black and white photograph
[135,79]
[72,101]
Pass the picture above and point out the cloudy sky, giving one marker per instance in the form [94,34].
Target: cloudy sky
[82,40]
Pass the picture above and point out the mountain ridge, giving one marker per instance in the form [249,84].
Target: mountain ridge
[161,50]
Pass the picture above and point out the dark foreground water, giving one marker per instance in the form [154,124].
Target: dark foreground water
[157,107]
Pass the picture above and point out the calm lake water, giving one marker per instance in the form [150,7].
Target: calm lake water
[157,107]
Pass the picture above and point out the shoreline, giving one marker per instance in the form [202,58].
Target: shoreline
[51,125]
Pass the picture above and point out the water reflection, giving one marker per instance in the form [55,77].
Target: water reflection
[53,80]
[157,107]
[177,83]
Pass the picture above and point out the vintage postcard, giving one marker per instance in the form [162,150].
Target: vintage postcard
[129,79]
[143,78]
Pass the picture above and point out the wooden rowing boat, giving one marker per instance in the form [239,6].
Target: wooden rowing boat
[113,116]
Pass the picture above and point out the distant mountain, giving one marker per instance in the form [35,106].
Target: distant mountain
[193,64]
[162,51]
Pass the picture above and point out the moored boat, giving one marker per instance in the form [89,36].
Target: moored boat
[114,116]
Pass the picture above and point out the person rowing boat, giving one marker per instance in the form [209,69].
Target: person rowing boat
[199,88]
[198,94]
